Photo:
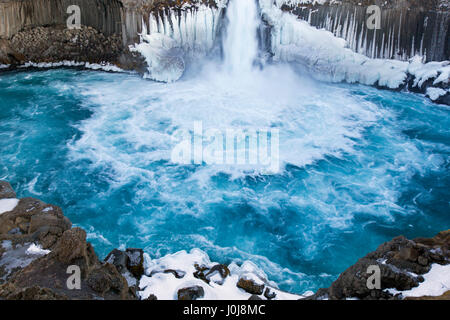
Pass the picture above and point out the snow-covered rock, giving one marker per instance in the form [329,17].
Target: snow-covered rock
[163,56]
[165,276]
[329,58]
[436,282]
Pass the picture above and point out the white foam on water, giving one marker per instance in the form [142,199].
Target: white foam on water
[134,122]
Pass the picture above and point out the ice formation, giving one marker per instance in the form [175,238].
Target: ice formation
[331,58]
[164,58]
[171,36]
[195,30]
[66,63]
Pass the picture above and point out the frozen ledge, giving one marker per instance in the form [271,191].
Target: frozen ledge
[93,66]
[329,58]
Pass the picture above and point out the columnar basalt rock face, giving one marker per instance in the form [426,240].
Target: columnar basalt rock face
[103,15]
[407,27]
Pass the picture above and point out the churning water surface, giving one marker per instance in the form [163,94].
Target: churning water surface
[358,166]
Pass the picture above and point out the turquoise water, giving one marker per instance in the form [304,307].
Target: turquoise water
[359,166]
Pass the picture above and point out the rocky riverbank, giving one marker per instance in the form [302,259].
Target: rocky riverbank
[39,251]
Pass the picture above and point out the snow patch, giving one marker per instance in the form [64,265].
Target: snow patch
[435,93]
[7,205]
[436,283]
[165,285]
[93,66]
[34,249]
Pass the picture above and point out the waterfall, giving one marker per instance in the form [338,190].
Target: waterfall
[241,44]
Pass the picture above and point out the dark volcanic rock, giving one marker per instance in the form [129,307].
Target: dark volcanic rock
[408,27]
[269,294]
[398,260]
[57,43]
[176,273]
[250,286]
[45,275]
[135,263]
[72,245]
[6,191]
[191,293]
[119,259]
[106,278]
[36,293]
[152,297]
[204,273]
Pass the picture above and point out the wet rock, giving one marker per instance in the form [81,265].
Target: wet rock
[56,43]
[221,270]
[398,260]
[42,223]
[106,278]
[177,273]
[152,297]
[71,246]
[15,231]
[212,274]
[50,216]
[135,263]
[44,275]
[269,294]
[410,254]
[200,272]
[250,286]
[191,293]
[119,259]
[36,293]
[254,297]
[6,191]
[422,261]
